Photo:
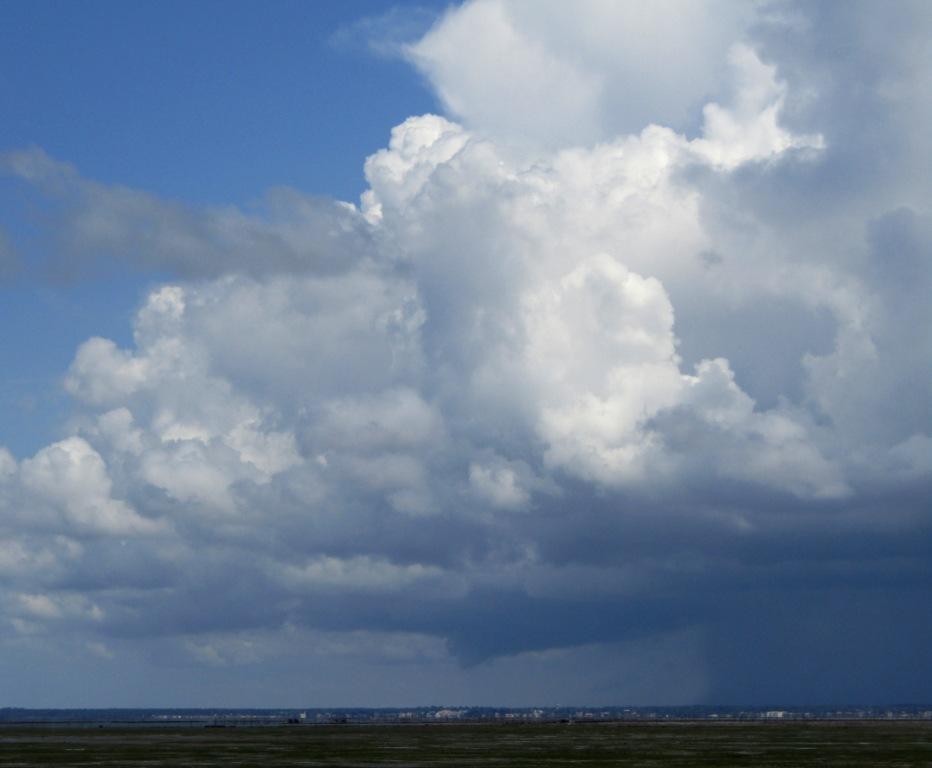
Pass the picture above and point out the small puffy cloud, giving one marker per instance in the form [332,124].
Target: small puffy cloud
[102,373]
[416,148]
[774,447]
[750,128]
[52,607]
[72,477]
[503,485]
[118,428]
[360,573]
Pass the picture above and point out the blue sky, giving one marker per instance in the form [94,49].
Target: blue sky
[211,103]
[506,353]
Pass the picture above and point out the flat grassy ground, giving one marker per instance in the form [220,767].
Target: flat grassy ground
[608,744]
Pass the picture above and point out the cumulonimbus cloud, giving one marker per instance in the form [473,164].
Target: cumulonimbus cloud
[517,380]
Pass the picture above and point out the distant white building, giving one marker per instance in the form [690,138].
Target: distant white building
[448,714]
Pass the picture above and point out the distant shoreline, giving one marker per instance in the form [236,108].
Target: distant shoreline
[232,723]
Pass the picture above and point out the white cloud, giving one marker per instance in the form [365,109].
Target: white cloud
[72,477]
[7,463]
[553,74]
[60,606]
[361,573]
[750,129]
[601,342]
[545,309]
[774,448]
[416,148]
[541,95]
[502,484]
[563,325]
[394,418]
[102,374]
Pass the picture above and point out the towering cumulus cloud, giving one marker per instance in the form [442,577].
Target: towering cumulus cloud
[619,371]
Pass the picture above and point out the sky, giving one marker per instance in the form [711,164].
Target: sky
[505,352]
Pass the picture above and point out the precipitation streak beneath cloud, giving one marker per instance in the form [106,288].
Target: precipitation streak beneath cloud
[613,387]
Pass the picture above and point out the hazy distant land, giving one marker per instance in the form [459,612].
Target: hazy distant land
[451,714]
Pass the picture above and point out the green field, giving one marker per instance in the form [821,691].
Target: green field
[578,745]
